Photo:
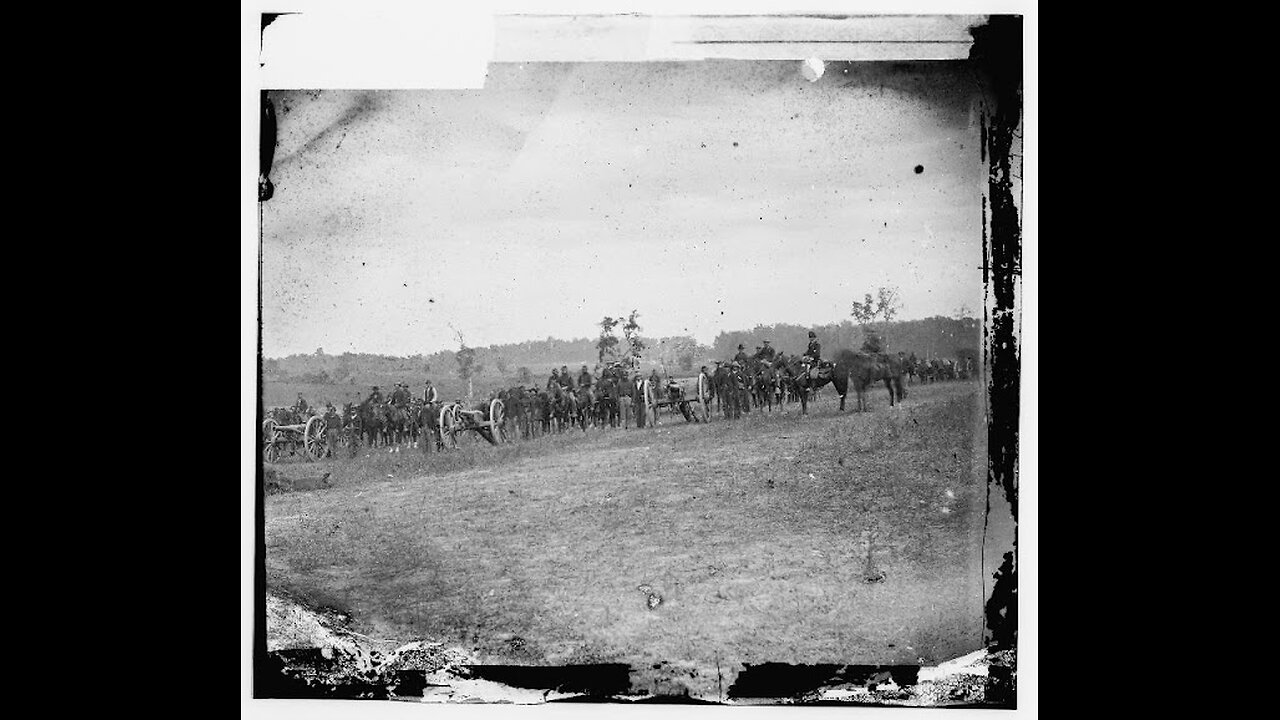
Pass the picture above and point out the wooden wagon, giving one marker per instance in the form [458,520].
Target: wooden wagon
[306,439]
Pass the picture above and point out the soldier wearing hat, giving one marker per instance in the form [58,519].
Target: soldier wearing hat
[742,354]
[375,397]
[584,378]
[301,405]
[332,428]
[814,350]
[430,394]
[399,396]
[566,380]
[554,380]
[766,353]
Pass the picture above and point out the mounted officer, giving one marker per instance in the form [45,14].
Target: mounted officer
[814,351]
[566,380]
[430,395]
[741,357]
[375,397]
[766,353]
[301,406]
[584,378]
[554,380]
[400,396]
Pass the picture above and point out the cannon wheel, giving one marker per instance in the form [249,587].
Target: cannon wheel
[313,439]
[498,420]
[449,426]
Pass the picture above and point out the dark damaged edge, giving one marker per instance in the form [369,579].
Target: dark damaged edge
[997,56]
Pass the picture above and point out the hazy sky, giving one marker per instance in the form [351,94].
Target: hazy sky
[709,195]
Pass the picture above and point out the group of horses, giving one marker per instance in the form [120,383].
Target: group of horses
[763,383]
[614,400]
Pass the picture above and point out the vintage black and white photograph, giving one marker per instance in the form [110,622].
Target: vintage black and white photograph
[675,360]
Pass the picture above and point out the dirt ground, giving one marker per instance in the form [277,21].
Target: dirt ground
[688,550]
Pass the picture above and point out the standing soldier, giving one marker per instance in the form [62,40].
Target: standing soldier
[332,428]
[638,401]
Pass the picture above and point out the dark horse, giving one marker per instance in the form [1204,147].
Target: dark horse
[809,378]
[866,369]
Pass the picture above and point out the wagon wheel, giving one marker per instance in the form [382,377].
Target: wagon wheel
[497,420]
[313,438]
[449,425]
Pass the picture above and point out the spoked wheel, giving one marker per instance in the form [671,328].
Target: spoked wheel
[313,438]
[498,420]
[449,426]
[271,449]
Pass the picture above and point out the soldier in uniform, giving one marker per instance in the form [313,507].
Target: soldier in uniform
[332,428]
[375,397]
[814,350]
[638,401]
[584,378]
[766,353]
[554,380]
[301,405]
[430,394]
[566,380]
[741,357]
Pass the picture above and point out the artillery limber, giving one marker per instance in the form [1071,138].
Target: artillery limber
[305,439]
[456,419]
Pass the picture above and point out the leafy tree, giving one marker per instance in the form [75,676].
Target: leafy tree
[607,345]
[631,331]
[467,366]
[878,311]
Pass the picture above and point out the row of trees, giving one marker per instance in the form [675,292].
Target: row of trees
[873,328]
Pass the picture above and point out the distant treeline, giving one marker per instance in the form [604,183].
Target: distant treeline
[350,374]
[942,337]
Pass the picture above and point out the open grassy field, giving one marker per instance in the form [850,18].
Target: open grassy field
[830,538]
